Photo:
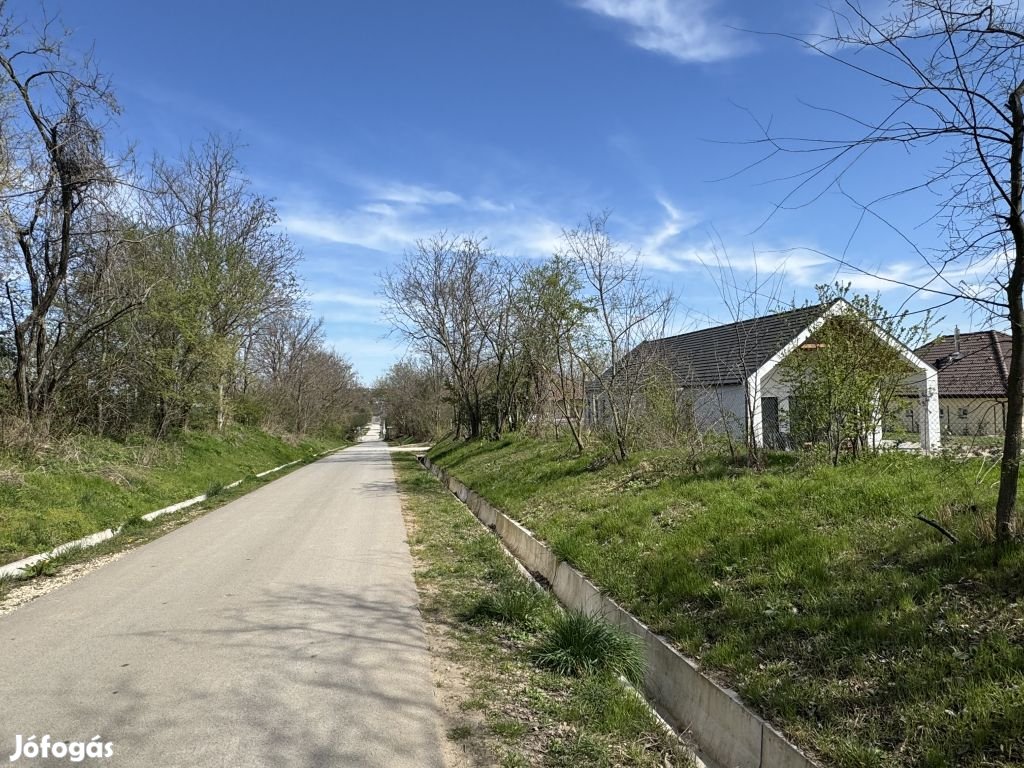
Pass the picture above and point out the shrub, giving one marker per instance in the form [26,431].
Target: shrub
[578,644]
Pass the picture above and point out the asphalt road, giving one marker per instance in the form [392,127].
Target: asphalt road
[278,630]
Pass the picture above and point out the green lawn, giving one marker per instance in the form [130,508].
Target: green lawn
[81,485]
[810,589]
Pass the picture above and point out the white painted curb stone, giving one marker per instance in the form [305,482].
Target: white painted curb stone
[15,569]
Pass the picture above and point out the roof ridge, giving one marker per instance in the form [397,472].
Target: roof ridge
[990,332]
[747,320]
[1000,360]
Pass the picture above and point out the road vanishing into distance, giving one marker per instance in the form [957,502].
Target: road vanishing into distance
[279,630]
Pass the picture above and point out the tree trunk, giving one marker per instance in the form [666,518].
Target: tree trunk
[1009,470]
[220,405]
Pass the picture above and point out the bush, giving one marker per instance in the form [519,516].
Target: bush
[578,644]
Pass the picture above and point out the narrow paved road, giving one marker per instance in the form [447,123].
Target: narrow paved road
[279,630]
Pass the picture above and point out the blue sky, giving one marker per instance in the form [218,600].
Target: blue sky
[374,123]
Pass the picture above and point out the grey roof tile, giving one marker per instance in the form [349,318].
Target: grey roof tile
[981,369]
[727,354]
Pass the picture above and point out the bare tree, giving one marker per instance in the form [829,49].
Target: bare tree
[495,307]
[630,312]
[434,300]
[956,69]
[413,394]
[746,300]
[58,181]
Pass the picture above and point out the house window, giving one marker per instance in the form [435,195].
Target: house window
[962,413]
[910,413]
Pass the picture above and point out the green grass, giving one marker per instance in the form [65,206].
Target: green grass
[516,710]
[810,589]
[516,604]
[581,645]
[85,484]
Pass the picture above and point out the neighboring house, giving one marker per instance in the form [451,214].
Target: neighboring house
[972,382]
[728,374]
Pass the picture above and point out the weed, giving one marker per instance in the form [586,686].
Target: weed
[42,567]
[514,760]
[520,605]
[214,489]
[578,644]
[7,582]
[509,729]
[50,566]
[460,732]
[135,523]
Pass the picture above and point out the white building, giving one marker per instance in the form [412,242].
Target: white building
[730,374]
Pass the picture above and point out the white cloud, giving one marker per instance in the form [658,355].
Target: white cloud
[348,298]
[380,209]
[361,228]
[687,30]
[392,216]
[654,247]
[412,194]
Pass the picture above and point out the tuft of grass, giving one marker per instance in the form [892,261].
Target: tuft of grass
[44,567]
[7,582]
[135,523]
[460,732]
[581,645]
[214,489]
[519,605]
[50,566]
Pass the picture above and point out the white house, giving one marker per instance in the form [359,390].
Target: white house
[729,373]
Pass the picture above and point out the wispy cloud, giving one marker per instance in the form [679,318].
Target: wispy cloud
[364,229]
[412,194]
[687,30]
[347,298]
[392,216]
[656,249]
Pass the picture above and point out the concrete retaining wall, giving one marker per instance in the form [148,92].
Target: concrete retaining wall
[727,731]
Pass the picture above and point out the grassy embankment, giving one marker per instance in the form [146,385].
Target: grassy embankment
[811,590]
[81,485]
[495,634]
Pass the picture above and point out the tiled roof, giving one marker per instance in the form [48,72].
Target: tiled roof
[980,371]
[727,354]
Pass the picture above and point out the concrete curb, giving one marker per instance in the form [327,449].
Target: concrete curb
[723,728]
[15,569]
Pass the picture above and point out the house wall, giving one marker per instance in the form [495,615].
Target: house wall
[722,409]
[969,416]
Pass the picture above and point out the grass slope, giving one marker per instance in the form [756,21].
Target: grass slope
[810,589]
[500,632]
[86,484]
